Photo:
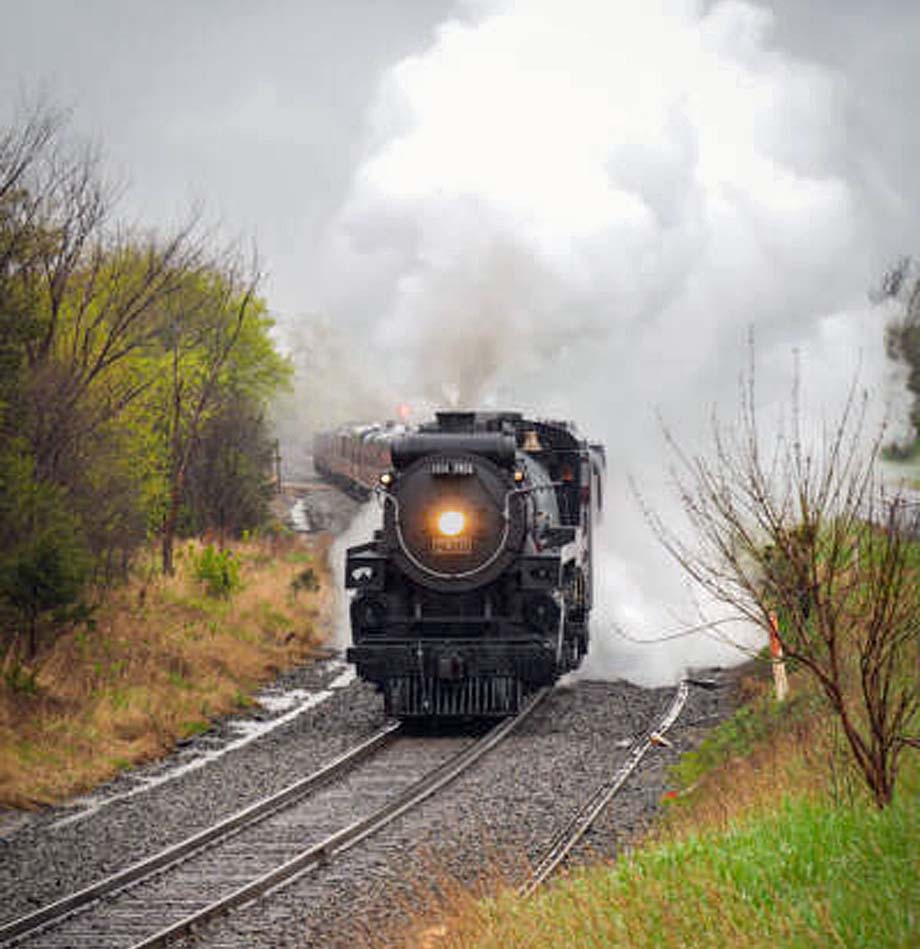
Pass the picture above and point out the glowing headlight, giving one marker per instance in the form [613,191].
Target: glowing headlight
[451,523]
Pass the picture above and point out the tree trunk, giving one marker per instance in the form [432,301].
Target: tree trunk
[169,524]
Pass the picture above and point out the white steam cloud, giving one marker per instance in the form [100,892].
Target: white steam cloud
[581,209]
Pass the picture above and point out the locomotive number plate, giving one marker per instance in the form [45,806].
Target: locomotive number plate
[439,467]
[451,545]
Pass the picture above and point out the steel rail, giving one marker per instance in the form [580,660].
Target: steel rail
[562,844]
[346,838]
[249,816]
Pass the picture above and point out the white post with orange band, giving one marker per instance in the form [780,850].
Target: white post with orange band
[780,682]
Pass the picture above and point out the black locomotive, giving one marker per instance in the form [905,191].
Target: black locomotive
[478,587]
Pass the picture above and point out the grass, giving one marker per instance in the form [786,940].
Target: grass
[162,660]
[804,874]
[770,840]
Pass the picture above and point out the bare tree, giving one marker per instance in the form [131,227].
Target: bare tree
[808,532]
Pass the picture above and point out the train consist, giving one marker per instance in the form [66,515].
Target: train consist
[478,587]
[354,456]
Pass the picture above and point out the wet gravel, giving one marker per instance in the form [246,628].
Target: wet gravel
[500,815]
[123,919]
[45,858]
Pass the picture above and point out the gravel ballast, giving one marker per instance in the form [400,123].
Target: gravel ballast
[496,820]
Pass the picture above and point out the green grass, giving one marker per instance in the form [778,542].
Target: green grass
[808,874]
[298,557]
[197,727]
[740,734]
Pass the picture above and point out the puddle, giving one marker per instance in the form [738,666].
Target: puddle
[277,702]
[300,520]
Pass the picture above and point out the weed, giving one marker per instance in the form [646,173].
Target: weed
[118,698]
[178,681]
[274,621]
[243,700]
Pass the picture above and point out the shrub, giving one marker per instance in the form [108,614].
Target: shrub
[218,570]
[305,580]
[43,556]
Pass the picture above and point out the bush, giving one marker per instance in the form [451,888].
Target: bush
[218,570]
[43,556]
[305,580]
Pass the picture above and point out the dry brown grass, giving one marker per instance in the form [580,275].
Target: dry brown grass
[162,660]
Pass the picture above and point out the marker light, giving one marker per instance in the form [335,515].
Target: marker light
[518,476]
[451,523]
[386,479]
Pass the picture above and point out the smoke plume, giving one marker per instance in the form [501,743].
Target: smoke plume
[582,210]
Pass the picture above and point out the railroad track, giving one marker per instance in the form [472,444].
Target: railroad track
[167,896]
[561,845]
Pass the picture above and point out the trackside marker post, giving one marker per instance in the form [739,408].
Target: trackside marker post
[780,682]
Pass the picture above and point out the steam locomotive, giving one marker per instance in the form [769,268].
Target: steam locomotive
[477,589]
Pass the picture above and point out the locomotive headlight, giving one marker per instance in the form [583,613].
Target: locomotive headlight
[451,523]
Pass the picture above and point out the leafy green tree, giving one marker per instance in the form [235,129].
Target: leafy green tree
[227,487]
[216,343]
[128,359]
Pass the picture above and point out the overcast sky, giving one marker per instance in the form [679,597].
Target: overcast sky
[257,109]
[572,206]
[263,110]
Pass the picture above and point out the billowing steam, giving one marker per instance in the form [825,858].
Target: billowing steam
[581,209]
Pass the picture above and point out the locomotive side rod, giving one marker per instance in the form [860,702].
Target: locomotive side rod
[353,834]
[260,810]
[562,844]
